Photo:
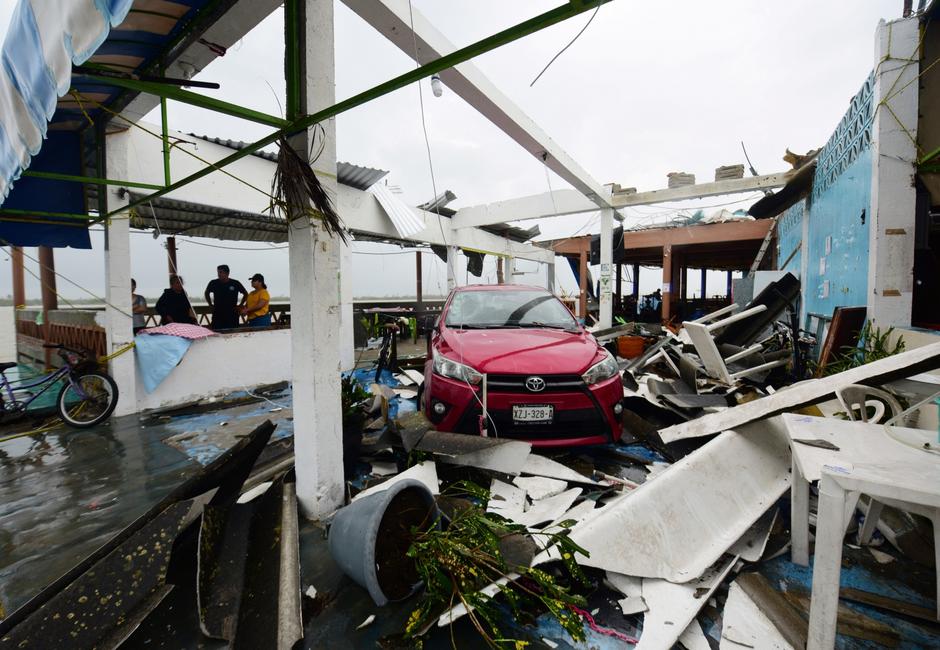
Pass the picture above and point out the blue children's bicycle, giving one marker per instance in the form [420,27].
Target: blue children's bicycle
[87,397]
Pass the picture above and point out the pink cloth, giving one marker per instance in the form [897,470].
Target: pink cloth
[184,330]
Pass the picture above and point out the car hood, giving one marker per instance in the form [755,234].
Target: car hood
[521,351]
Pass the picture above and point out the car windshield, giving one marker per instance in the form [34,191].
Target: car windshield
[495,309]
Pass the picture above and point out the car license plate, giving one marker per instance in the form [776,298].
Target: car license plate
[533,413]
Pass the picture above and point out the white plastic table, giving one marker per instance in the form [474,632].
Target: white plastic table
[900,481]
[868,461]
[858,442]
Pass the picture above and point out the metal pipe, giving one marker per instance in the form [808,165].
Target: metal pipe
[93,180]
[166,141]
[176,93]
[36,213]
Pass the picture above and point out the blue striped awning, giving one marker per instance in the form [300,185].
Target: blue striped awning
[46,39]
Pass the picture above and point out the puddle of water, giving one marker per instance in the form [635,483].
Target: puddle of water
[65,493]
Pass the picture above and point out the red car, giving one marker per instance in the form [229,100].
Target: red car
[544,379]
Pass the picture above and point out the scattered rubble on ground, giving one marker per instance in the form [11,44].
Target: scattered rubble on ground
[682,523]
[676,533]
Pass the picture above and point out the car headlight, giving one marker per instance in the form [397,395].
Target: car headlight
[450,368]
[602,370]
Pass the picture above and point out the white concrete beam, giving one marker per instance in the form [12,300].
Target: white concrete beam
[347,350]
[451,268]
[391,19]
[315,289]
[894,160]
[605,311]
[119,324]
[359,210]
[562,202]
[702,190]
[536,206]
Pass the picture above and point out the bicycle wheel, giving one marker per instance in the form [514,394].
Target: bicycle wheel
[87,400]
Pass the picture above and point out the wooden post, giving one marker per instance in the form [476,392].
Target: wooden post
[729,288]
[50,300]
[19,286]
[704,287]
[171,264]
[500,276]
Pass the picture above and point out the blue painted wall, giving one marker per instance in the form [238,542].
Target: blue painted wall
[836,217]
[789,235]
[836,214]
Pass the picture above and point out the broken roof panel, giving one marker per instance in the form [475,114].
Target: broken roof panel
[357,176]
[174,217]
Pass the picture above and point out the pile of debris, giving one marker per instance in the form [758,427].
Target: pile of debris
[683,527]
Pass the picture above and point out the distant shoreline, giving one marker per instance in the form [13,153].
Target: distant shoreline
[91,302]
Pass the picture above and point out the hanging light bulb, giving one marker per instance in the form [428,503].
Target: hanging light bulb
[436,86]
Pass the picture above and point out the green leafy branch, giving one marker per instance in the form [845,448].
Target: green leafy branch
[457,562]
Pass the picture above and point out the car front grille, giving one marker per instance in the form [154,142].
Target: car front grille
[516,383]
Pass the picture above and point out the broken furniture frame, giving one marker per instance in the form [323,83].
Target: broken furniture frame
[821,446]
[856,395]
[700,331]
[915,482]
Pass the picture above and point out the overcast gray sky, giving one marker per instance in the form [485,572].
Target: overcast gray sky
[649,88]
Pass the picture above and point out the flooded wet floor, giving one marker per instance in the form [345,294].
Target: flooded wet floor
[65,493]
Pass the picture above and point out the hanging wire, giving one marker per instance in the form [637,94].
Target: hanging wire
[67,279]
[427,144]
[578,35]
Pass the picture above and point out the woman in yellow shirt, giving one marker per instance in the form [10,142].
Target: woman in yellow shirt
[258,303]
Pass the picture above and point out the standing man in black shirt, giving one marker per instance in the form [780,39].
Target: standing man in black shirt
[222,296]
[173,306]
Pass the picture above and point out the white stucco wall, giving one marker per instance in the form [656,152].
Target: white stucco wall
[220,365]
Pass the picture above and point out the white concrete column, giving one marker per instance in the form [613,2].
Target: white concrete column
[347,351]
[118,320]
[550,275]
[606,278]
[894,156]
[315,289]
[510,266]
[451,267]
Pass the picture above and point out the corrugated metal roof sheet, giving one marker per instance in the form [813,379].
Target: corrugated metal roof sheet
[173,217]
[361,178]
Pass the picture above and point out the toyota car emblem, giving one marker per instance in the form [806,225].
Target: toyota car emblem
[535,384]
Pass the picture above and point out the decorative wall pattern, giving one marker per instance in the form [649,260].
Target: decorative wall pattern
[850,139]
[789,236]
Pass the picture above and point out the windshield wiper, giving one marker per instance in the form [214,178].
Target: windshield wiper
[482,326]
[550,326]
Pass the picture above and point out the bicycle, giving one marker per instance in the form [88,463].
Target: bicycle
[87,398]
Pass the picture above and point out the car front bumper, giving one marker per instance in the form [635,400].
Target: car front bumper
[583,415]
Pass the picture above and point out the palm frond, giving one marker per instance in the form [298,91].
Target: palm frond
[298,193]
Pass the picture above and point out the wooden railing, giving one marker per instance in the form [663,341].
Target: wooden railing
[30,337]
